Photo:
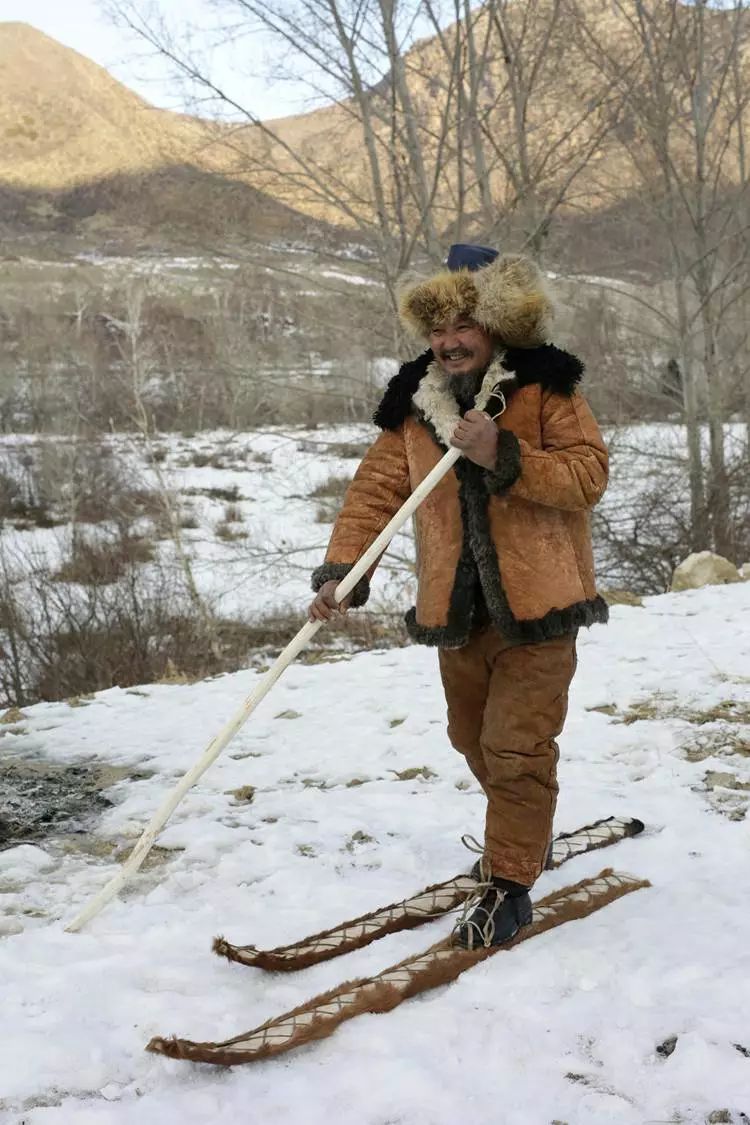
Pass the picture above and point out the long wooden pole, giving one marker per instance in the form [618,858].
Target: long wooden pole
[292,650]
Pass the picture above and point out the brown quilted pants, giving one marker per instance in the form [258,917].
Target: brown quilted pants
[506,705]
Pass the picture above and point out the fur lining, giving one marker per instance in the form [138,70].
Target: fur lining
[325,1012]
[448,294]
[508,298]
[330,571]
[552,368]
[562,372]
[395,404]
[352,935]
[435,402]
[507,467]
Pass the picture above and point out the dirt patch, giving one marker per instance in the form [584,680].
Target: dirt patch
[41,798]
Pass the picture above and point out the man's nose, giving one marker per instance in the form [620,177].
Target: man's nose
[450,341]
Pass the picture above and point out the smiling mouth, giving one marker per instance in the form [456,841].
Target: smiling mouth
[454,357]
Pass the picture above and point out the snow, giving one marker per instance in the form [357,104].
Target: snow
[274,472]
[351,278]
[563,1028]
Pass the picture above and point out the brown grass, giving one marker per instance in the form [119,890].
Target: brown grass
[333,488]
[99,564]
[229,533]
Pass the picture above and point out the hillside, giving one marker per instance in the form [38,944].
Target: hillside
[650,987]
[65,120]
[80,153]
[71,131]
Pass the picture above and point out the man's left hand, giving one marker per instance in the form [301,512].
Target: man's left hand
[476,437]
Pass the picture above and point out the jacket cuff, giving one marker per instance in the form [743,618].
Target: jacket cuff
[336,571]
[507,467]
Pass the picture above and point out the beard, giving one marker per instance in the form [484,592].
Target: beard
[465,388]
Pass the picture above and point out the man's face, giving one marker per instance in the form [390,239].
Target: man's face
[461,347]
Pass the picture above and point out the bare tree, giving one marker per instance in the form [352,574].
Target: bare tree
[685,94]
[139,371]
[484,130]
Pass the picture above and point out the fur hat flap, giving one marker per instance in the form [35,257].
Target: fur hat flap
[446,295]
[513,302]
[508,298]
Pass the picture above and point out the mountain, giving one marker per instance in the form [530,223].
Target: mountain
[81,152]
[64,119]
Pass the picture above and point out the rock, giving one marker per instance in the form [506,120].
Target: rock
[704,569]
[617,596]
[13,715]
[244,794]
[665,1049]
[745,572]
[719,779]
[720,1117]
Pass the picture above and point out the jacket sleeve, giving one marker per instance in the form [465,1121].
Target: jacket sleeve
[569,471]
[379,488]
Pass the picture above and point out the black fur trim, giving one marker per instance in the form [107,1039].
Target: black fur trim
[551,367]
[479,549]
[555,369]
[328,572]
[460,610]
[395,404]
[507,467]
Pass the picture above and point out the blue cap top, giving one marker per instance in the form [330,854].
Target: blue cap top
[463,256]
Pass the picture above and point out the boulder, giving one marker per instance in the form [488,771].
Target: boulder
[704,569]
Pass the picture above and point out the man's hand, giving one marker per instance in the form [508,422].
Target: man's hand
[324,606]
[476,437]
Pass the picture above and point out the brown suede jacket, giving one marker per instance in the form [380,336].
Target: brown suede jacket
[522,527]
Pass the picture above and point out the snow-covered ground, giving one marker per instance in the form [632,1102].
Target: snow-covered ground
[279,528]
[564,1028]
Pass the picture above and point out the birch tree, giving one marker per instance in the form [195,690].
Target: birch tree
[681,72]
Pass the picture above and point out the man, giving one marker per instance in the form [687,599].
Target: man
[504,561]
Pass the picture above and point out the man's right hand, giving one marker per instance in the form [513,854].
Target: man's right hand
[324,605]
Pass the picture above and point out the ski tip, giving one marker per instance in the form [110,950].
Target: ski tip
[221,947]
[171,1047]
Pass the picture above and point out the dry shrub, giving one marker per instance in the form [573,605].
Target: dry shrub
[348,449]
[21,503]
[352,632]
[639,544]
[231,494]
[125,506]
[62,640]
[83,481]
[103,562]
[229,533]
[333,488]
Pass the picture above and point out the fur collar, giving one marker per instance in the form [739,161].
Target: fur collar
[552,368]
[434,400]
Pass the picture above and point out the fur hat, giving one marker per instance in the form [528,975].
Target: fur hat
[508,298]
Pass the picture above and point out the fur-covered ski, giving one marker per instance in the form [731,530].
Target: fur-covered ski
[438,965]
[415,911]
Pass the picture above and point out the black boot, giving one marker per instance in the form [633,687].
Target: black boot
[498,916]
